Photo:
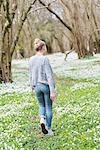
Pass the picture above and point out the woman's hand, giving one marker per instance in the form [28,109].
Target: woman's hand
[33,91]
[53,96]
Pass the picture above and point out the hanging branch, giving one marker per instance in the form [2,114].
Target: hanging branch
[51,11]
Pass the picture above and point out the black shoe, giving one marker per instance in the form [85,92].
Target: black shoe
[43,128]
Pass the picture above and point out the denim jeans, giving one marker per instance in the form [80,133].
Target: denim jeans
[45,103]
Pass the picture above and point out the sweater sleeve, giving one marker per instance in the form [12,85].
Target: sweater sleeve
[49,75]
[30,75]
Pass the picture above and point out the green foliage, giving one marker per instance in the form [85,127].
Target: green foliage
[75,121]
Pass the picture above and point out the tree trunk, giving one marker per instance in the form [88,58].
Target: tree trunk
[5,68]
[5,59]
[81,48]
[7,45]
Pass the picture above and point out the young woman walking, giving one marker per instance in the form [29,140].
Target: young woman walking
[42,81]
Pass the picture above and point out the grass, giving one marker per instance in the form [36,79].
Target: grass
[76,119]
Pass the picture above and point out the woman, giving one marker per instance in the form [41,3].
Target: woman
[42,81]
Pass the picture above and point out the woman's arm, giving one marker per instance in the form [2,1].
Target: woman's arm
[50,78]
[30,76]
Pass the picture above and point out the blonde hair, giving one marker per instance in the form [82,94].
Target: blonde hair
[38,44]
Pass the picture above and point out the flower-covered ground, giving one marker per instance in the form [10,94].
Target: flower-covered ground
[76,120]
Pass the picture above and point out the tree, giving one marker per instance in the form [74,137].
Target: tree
[79,22]
[82,17]
[9,12]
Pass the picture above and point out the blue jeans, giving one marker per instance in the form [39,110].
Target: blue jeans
[45,103]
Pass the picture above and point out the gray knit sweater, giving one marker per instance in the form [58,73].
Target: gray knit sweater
[41,72]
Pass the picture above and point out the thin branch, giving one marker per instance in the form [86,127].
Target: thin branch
[51,11]
[1,1]
[39,8]
[14,8]
[52,2]
[7,12]
[23,18]
[66,5]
